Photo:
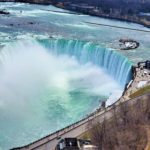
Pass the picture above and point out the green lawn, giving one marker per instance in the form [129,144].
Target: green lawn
[141,91]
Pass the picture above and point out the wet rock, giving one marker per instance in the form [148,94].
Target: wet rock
[128,44]
[31,23]
[3,12]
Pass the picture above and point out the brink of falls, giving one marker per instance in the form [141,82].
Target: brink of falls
[48,84]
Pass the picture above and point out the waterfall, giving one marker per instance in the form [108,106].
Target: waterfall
[114,63]
[54,83]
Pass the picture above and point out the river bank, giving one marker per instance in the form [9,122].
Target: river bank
[90,10]
[124,18]
[57,25]
[115,112]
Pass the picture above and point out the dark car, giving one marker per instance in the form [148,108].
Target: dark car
[67,144]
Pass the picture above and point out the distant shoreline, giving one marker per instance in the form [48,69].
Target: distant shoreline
[105,16]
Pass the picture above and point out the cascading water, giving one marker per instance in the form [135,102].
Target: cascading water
[117,65]
[49,84]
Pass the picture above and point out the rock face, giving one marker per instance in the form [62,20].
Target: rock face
[3,12]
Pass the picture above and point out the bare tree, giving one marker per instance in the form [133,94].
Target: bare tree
[125,130]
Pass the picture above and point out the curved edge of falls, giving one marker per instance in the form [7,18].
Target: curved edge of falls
[114,63]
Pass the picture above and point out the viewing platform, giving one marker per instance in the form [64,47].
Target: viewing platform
[141,77]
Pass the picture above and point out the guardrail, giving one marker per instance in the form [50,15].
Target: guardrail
[98,113]
[62,131]
[55,135]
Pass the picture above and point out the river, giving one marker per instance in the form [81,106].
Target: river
[55,68]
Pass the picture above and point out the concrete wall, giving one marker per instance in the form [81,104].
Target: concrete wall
[49,142]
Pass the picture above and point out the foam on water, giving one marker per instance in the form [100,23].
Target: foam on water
[41,91]
[117,65]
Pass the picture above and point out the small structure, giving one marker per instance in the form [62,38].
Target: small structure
[75,144]
[147,65]
[128,44]
[81,8]
[67,144]
[89,147]
[103,104]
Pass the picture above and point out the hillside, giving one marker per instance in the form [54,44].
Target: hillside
[137,11]
[128,10]
[128,129]
[135,6]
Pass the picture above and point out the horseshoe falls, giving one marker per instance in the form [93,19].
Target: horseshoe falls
[49,84]
[55,68]
[115,64]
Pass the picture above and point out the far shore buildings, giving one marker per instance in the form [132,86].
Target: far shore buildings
[85,8]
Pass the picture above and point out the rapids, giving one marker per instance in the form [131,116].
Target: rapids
[46,85]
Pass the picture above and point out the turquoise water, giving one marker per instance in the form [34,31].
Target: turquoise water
[115,64]
[46,85]
[57,70]
[69,26]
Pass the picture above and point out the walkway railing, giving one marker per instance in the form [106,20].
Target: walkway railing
[49,142]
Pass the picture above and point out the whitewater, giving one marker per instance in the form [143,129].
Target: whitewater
[57,69]
[43,90]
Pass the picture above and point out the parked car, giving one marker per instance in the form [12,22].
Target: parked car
[68,144]
[75,144]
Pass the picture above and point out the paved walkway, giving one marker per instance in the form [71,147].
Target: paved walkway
[75,130]
[140,75]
